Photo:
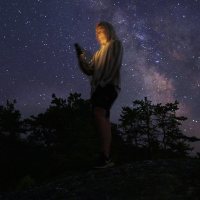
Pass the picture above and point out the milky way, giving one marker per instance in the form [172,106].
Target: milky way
[161,52]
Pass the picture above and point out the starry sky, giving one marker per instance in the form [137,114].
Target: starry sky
[161,52]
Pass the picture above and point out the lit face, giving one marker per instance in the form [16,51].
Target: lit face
[101,35]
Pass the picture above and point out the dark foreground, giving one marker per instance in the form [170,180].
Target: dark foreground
[142,180]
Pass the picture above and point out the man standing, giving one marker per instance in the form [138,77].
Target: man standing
[104,68]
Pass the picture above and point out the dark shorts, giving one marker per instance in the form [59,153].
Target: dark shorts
[104,97]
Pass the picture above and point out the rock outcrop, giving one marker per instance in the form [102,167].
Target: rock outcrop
[141,180]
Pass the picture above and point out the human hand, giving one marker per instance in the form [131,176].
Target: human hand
[78,49]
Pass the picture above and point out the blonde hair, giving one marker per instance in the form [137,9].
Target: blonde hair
[111,34]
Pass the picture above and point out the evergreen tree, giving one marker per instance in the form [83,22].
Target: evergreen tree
[156,127]
[130,125]
[172,137]
[62,123]
[10,123]
[137,123]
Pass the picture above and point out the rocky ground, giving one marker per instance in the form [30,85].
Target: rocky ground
[141,180]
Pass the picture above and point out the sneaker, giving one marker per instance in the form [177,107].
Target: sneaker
[104,162]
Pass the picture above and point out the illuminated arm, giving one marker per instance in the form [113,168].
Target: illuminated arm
[85,66]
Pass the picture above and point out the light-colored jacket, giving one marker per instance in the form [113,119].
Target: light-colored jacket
[105,65]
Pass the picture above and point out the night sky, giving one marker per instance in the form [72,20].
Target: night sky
[161,40]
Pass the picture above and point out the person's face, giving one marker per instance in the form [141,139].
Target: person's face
[101,35]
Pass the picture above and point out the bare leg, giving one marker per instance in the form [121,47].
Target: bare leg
[104,129]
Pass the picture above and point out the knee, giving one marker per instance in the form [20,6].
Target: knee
[99,113]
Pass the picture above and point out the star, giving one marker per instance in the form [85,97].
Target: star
[161,52]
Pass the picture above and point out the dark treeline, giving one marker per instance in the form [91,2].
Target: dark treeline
[63,140]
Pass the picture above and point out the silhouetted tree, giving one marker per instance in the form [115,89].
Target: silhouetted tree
[155,126]
[66,128]
[146,111]
[61,120]
[60,138]
[129,124]
[10,124]
[172,138]
[137,123]
[63,138]
[12,148]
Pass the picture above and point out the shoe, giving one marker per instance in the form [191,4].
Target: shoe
[104,162]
